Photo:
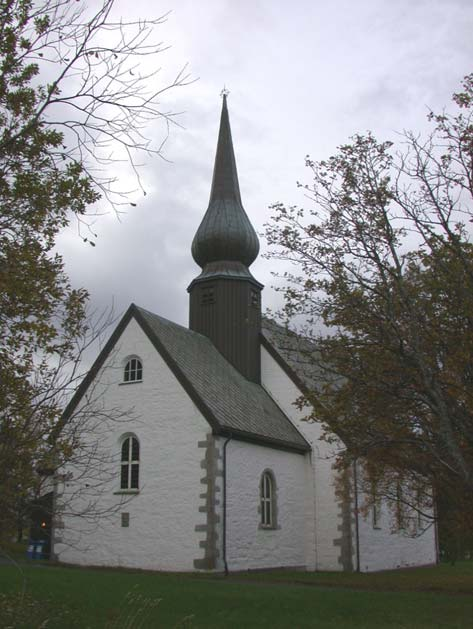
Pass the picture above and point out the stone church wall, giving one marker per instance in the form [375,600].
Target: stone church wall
[331,544]
[383,546]
[328,530]
[167,525]
[249,545]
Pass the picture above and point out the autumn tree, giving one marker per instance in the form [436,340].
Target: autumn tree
[385,289]
[75,98]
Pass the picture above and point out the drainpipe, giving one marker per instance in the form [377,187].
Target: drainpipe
[357,527]
[224,523]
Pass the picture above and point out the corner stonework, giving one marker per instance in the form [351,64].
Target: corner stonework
[209,504]
[346,522]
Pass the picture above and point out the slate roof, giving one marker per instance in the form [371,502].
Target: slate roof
[233,406]
[296,354]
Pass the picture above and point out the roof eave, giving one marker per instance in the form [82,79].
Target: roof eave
[262,440]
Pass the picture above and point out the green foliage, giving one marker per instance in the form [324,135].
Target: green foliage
[64,99]
[41,315]
[386,265]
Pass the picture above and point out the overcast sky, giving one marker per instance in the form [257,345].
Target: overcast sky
[303,77]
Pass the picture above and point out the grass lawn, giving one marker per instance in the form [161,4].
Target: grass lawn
[442,578]
[74,597]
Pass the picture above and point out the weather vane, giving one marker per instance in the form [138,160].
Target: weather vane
[224,92]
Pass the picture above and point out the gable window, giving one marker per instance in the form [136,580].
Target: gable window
[267,501]
[130,464]
[133,371]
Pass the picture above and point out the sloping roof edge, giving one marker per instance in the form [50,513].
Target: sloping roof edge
[99,361]
[134,312]
[292,375]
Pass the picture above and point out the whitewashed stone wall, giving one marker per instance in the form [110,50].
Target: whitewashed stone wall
[165,513]
[322,503]
[384,547]
[176,519]
[250,546]
[331,543]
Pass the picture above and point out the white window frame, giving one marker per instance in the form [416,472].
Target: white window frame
[133,368]
[375,507]
[400,508]
[267,500]
[129,462]
[376,513]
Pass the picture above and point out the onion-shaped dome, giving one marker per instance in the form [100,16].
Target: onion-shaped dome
[225,233]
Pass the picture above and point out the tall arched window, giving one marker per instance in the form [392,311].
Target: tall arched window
[133,370]
[130,464]
[268,500]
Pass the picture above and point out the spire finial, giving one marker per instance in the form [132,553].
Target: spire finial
[225,92]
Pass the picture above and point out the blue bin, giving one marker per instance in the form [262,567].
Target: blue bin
[30,551]
[37,549]
[40,549]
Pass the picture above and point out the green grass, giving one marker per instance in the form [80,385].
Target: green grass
[442,578]
[72,597]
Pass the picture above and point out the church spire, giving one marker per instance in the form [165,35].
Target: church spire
[225,177]
[225,233]
[225,299]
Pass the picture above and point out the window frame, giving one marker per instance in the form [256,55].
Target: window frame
[130,461]
[375,506]
[133,370]
[267,501]
[400,508]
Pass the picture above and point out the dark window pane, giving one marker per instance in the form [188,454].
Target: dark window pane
[135,450]
[267,486]
[139,373]
[126,450]
[124,477]
[135,469]
[127,372]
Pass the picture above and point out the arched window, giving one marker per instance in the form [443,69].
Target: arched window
[130,464]
[133,370]
[268,500]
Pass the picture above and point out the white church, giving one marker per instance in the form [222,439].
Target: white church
[211,465]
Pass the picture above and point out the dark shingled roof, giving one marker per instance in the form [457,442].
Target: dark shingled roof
[296,354]
[232,404]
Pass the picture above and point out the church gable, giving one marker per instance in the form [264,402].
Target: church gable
[231,404]
[153,459]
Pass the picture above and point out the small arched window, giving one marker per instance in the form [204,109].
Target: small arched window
[130,464]
[268,500]
[133,370]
